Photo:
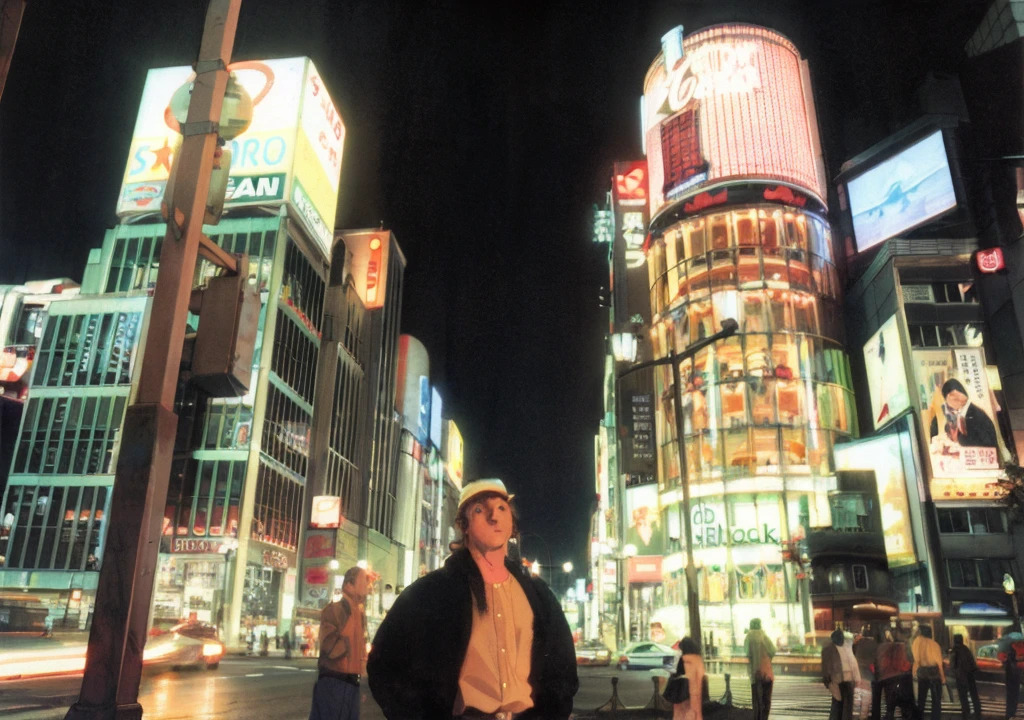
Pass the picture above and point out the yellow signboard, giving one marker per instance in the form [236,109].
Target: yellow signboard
[290,154]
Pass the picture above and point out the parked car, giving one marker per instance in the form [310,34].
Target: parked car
[648,655]
[593,652]
[188,644]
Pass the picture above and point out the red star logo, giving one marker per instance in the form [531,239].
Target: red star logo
[163,157]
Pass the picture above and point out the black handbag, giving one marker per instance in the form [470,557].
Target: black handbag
[677,689]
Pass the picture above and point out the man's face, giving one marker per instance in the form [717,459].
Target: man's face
[956,400]
[490,523]
[362,585]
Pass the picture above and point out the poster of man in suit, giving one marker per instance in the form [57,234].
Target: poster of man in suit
[958,412]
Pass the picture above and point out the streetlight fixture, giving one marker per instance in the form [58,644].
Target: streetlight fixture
[729,328]
[567,567]
[624,347]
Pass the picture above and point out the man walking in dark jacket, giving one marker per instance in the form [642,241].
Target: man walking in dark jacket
[964,667]
[477,638]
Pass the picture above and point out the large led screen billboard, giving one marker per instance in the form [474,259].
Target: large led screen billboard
[736,106]
[290,154]
[902,192]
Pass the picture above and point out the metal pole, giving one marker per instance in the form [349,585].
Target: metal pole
[113,668]
[692,607]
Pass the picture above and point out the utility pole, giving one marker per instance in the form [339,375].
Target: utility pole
[729,327]
[113,668]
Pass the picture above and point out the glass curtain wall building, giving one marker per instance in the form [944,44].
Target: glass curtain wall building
[232,522]
[739,231]
[62,473]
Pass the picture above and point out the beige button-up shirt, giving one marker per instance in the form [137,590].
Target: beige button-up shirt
[495,675]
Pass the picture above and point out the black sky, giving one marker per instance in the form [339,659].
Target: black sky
[481,133]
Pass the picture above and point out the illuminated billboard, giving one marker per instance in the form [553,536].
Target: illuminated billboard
[735,106]
[902,192]
[959,422]
[453,455]
[887,374]
[369,264]
[644,529]
[436,423]
[883,455]
[290,154]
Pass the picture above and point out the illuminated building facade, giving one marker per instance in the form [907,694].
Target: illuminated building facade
[739,230]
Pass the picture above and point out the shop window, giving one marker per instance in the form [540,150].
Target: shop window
[749,268]
[746,228]
[723,270]
[768,221]
[696,243]
[754,317]
[805,314]
[776,273]
[719,226]
[781,311]
[799,271]
[698,277]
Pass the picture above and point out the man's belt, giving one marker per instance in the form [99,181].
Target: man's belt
[474,714]
[350,678]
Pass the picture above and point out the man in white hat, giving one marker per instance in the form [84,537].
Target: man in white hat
[479,637]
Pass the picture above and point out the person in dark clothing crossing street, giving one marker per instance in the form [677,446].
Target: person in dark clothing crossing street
[964,667]
[477,638]
[1013,677]
[893,672]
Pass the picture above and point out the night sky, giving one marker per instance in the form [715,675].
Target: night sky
[481,133]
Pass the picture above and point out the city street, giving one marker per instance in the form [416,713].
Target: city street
[272,689]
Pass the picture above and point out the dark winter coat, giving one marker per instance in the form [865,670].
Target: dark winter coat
[417,654]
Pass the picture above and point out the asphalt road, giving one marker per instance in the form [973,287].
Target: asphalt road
[274,689]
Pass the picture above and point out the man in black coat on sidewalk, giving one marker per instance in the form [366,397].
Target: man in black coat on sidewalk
[478,637]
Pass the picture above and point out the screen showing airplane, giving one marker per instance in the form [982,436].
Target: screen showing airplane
[901,193]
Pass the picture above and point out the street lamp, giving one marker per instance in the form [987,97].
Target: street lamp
[567,567]
[729,327]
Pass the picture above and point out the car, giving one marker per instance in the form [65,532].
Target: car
[593,652]
[648,656]
[188,644]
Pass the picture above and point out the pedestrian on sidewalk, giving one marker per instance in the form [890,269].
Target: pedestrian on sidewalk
[865,649]
[287,642]
[760,651]
[1013,678]
[691,664]
[840,675]
[893,670]
[928,669]
[478,637]
[964,667]
[342,650]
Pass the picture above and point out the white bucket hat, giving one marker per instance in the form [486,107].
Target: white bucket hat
[472,489]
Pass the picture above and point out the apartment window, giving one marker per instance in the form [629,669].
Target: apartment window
[977,572]
[940,293]
[973,521]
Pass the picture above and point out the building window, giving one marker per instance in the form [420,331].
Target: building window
[946,335]
[978,572]
[278,508]
[55,527]
[69,435]
[974,521]
[860,577]
[286,428]
[87,350]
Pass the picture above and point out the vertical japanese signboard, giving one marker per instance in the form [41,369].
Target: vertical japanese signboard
[630,200]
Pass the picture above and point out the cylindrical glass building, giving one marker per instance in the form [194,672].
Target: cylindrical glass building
[739,231]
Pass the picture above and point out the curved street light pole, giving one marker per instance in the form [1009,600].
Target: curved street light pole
[729,327]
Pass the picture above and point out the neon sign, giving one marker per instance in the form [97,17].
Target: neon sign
[716,69]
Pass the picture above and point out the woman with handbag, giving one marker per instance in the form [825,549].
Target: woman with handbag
[685,689]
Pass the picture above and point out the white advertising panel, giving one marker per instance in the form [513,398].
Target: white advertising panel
[887,374]
[902,192]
